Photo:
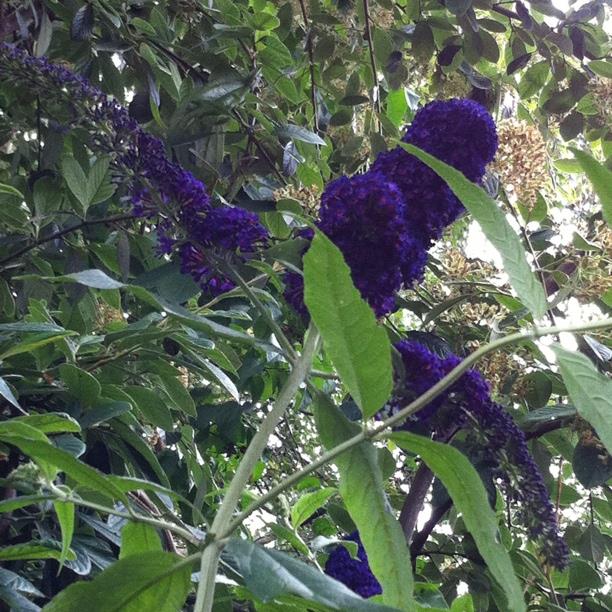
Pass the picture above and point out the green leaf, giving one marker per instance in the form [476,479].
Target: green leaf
[8,395]
[470,498]
[151,405]
[65,517]
[50,422]
[10,190]
[280,531]
[358,346]
[8,505]
[423,45]
[397,106]
[137,538]
[602,68]
[22,552]
[601,179]
[362,489]
[76,180]
[39,450]
[96,190]
[93,278]
[495,227]
[157,581]
[80,383]
[534,79]
[308,504]
[590,391]
[296,132]
[269,574]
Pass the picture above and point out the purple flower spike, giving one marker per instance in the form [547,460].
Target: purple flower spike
[467,404]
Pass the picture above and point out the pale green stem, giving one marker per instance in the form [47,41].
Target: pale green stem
[274,326]
[132,516]
[210,555]
[419,403]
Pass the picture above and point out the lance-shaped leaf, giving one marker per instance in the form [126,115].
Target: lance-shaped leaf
[361,487]
[357,345]
[495,227]
[590,391]
[470,498]
[601,179]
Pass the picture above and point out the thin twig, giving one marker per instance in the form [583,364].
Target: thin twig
[63,232]
[367,32]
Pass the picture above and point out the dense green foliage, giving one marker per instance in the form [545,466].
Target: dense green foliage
[148,429]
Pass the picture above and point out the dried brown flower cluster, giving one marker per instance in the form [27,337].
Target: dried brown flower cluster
[496,367]
[479,313]
[595,275]
[603,238]
[107,314]
[184,376]
[521,160]
[458,267]
[602,94]
[382,17]
[308,197]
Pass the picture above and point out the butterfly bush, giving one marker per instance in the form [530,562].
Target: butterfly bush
[158,187]
[385,220]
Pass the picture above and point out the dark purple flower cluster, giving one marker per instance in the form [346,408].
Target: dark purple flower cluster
[385,220]
[364,216]
[459,132]
[353,573]
[467,404]
[159,187]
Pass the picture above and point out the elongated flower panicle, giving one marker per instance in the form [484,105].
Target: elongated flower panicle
[158,186]
[353,573]
[467,404]
[385,220]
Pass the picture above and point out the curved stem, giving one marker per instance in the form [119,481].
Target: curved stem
[58,494]
[210,556]
[379,431]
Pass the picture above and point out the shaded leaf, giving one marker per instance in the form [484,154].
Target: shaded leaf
[156,581]
[590,391]
[601,179]
[362,489]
